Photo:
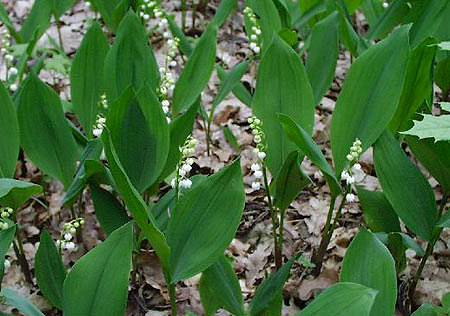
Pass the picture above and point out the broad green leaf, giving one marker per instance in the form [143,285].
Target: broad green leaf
[322,55]
[12,298]
[290,181]
[405,187]
[269,290]
[368,262]
[61,6]
[98,282]
[210,211]
[426,17]
[393,16]
[50,271]
[230,82]
[219,287]
[13,193]
[230,137]
[197,71]
[282,87]
[434,157]
[441,77]
[437,127]
[38,20]
[140,132]
[297,135]
[239,90]
[370,95]
[180,128]
[44,131]
[135,203]
[378,212]
[417,86]
[444,221]
[352,5]
[106,9]
[348,35]
[9,135]
[91,152]
[130,61]
[86,76]
[223,11]
[372,10]
[108,210]
[342,299]
[6,239]
[185,44]
[425,310]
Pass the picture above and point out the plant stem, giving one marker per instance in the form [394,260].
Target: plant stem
[18,249]
[280,234]
[273,215]
[173,300]
[58,27]
[183,15]
[428,252]
[326,235]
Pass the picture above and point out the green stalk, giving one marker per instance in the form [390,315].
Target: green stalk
[58,27]
[428,252]
[280,234]
[173,300]
[20,254]
[183,15]
[273,215]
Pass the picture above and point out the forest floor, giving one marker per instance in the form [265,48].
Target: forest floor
[252,247]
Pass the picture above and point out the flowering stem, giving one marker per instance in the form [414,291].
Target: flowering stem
[278,258]
[173,300]
[327,233]
[428,252]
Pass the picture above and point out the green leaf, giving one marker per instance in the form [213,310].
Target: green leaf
[180,128]
[108,210]
[140,132]
[269,290]
[341,299]
[393,16]
[61,6]
[425,310]
[441,77]
[106,9]
[44,131]
[322,55]
[210,211]
[197,71]
[426,17]
[9,135]
[370,95]
[368,262]
[86,76]
[12,298]
[230,138]
[219,287]
[98,283]
[6,239]
[417,86]
[297,135]
[4,18]
[239,90]
[13,193]
[437,127]
[282,87]
[444,45]
[135,203]
[434,157]
[50,271]
[290,181]
[444,221]
[405,187]
[85,170]
[38,20]
[230,82]
[223,11]
[378,212]
[130,61]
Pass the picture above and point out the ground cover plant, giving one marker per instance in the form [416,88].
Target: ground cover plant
[259,157]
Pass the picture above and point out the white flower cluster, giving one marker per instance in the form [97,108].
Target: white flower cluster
[103,102]
[167,84]
[69,230]
[255,31]
[385,5]
[5,213]
[7,265]
[153,7]
[6,52]
[350,174]
[185,164]
[259,150]
[99,126]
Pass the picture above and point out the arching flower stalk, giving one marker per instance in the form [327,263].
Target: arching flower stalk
[6,53]
[70,229]
[184,166]
[254,33]
[5,213]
